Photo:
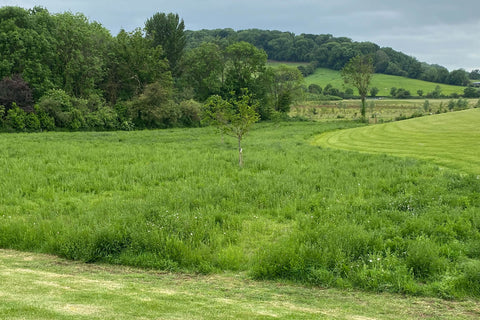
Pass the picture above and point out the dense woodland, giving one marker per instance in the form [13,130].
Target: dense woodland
[62,71]
[325,50]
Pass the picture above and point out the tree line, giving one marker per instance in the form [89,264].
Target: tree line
[64,72]
[61,71]
[325,50]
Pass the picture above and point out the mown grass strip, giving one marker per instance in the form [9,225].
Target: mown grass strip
[450,139]
[44,287]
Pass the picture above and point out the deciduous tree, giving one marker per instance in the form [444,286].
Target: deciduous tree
[167,30]
[15,91]
[286,82]
[233,117]
[358,72]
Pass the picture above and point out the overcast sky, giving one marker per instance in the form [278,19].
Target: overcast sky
[443,32]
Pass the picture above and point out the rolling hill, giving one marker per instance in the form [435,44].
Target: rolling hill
[383,82]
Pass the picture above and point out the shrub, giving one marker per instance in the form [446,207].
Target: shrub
[15,118]
[56,104]
[190,113]
[426,106]
[14,90]
[32,123]
[314,88]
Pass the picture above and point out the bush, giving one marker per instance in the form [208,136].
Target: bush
[190,113]
[56,104]
[32,123]
[15,118]
[15,91]
[154,108]
[314,88]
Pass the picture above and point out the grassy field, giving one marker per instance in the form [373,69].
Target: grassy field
[41,287]
[449,139]
[176,200]
[273,63]
[383,82]
[378,110]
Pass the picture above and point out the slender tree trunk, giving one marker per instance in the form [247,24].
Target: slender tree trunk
[363,111]
[240,152]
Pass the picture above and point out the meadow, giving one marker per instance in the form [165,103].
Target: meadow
[175,200]
[383,82]
[378,110]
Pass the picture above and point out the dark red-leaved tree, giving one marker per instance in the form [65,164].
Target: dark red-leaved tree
[15,90]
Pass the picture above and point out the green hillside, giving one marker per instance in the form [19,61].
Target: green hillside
[449,139]
[383,82]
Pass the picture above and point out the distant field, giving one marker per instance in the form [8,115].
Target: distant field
[378,110]
[273,63]
[383,82]
[450,139]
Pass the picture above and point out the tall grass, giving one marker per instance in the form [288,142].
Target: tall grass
[176,200]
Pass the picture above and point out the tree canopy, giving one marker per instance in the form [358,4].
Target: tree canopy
[358,72]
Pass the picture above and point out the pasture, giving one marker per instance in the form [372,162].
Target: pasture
[175,200]
[378,110]
[383,82]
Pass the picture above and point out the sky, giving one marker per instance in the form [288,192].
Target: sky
[443,32]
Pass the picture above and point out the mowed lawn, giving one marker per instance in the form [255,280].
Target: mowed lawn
[449,139]
[40,287]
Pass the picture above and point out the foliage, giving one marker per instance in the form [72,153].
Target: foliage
[384,83]
[244,68]
[358,72]
[458,77]
[474,74]
[233,117]
[326,51]
[154,107]
[133,63]
[167,31]
[286,85]
[15,91]
[471,92]
[190,113]
[203,70]
[400,93]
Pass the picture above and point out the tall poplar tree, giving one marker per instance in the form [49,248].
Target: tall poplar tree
[358,71]
[167,30]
